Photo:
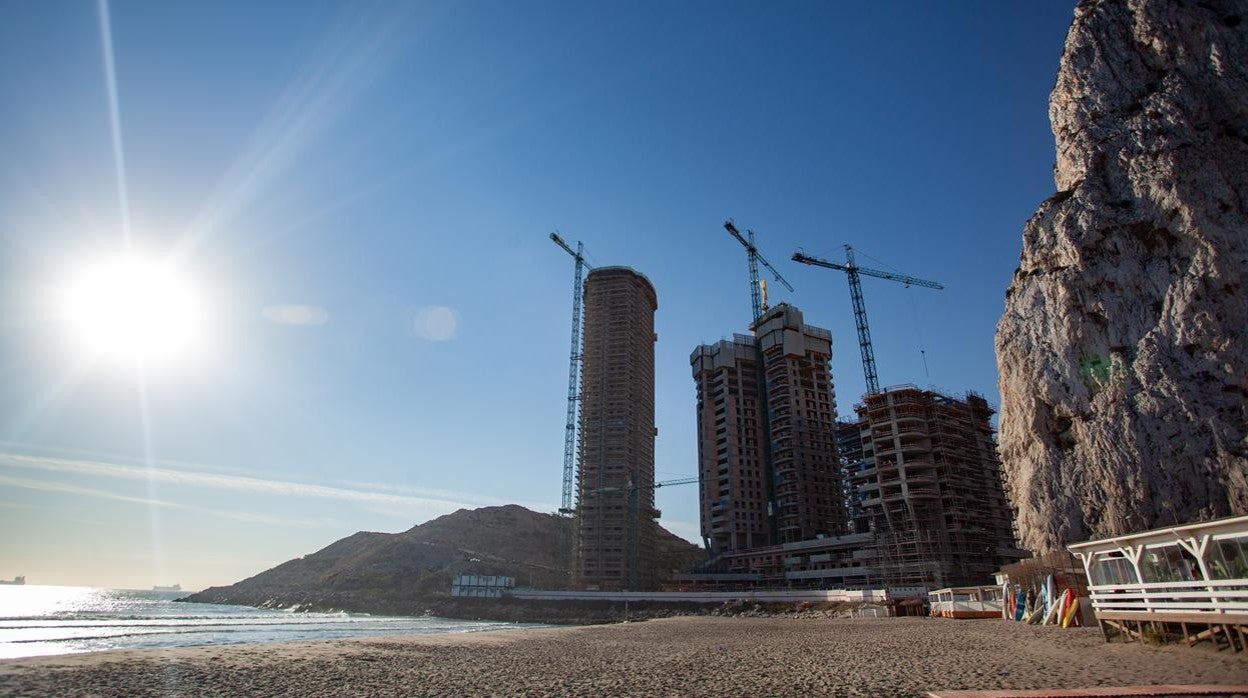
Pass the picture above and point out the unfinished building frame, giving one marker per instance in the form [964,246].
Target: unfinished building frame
[927,482]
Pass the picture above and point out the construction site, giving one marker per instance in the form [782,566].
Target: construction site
[927,484]
[906,497]
[926,503]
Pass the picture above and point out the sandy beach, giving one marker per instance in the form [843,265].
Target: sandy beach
[675,656]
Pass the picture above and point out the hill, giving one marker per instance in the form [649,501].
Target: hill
[403,572]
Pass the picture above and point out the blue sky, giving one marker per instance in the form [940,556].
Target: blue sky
[362,192]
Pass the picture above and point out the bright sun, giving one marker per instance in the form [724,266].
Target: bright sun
[134,311]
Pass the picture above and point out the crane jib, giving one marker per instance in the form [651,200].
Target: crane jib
[852,272]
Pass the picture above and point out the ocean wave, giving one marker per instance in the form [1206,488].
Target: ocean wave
[305,618]
[222,634]
[38,622]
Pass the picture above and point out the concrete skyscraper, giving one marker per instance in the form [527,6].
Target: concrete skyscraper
[616,527]
[768,457]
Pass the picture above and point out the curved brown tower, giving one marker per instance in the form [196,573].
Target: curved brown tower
[616,529]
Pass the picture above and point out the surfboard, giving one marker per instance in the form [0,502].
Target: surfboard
[1050,585]
[1054,615]
[1062,604]
[1070,612]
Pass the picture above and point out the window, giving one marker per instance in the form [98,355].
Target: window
[1228,558]
[1113,569]
[1168,563]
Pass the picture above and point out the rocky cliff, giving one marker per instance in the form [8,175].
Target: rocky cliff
[404,573]
[1123,349]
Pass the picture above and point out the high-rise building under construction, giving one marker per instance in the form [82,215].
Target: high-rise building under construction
[767,447]
[927,482]
[925,497]
[616,527]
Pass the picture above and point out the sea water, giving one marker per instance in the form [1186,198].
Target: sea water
[48,620]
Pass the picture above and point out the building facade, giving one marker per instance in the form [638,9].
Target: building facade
[734,493]
[767,449]
[616,518]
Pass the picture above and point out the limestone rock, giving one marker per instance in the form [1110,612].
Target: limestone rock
[1123,349]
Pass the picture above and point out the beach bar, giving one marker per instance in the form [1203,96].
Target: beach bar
[1190,581]
[966,602]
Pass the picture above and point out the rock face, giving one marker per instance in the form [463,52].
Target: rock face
[400,573]
[1123,350]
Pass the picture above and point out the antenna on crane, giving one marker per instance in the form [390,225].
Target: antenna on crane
[574,362]
[852,271]
[755,258]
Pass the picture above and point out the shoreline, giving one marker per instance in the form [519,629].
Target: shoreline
[684,655]
[512,610]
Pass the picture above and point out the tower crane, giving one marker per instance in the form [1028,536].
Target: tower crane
[852,271]
[756,290]
[574,362]
[755,258]
[632,488]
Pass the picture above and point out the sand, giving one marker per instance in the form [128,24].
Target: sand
[674,656]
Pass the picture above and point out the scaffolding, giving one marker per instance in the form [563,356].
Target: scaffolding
[928,483]
[616,445]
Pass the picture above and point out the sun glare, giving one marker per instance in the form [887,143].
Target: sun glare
[133,310]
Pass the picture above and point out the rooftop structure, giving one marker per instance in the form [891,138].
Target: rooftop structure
[616,529]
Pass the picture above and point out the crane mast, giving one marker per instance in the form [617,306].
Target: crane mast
[756,299]
[574,361]
[852,272]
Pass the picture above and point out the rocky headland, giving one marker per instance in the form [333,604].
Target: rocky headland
[1123,349]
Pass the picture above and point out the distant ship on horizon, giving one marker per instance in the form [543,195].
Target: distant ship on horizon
[174,587]
[17,581]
